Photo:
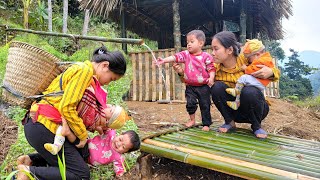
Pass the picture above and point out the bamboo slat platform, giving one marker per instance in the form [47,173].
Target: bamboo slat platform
[239,153]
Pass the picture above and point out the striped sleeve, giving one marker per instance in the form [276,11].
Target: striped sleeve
[75,81]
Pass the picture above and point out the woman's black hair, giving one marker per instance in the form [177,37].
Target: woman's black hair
[227,40]
[134,139]
[117,62]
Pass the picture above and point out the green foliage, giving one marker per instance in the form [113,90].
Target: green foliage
[315,82]
[292,82]
[295,68]
[39,41]
[39,17]
[3,60]
[274,47]
[3,5]
[16,113]
[62,165]
[312,103]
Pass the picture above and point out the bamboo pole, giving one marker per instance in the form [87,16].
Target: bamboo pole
[230,160]
[74,36]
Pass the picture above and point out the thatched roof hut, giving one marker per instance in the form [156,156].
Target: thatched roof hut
[153,19]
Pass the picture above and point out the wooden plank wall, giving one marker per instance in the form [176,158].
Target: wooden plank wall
[152,83]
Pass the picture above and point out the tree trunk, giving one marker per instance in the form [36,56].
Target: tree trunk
[26,5]
[49,15]
[26,17]
[86,22]
[176,25]
[65,16]
[243,22]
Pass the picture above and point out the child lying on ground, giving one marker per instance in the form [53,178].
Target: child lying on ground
[103,149]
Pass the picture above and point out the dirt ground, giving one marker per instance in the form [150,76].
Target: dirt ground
[284,118]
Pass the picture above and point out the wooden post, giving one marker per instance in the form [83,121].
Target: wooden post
[123,30]
[154,82]
[140,61]
[160,78]
[250,26]
[49,16]
[243,21]
[176,25]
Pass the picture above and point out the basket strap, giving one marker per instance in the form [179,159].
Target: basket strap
[10,89]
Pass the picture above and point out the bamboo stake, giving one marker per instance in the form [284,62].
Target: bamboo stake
[140,62]
[168,87]
[134,77]
[229,160]
[160,77]
[154,82]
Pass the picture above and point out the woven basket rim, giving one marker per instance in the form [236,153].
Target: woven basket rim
[28,46]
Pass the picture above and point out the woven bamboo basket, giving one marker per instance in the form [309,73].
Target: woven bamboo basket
[29,71]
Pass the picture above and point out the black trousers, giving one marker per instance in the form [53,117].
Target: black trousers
[76,168]
[201,94]
[253,107]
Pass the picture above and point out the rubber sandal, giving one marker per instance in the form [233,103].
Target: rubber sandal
[260,131]
[228,127]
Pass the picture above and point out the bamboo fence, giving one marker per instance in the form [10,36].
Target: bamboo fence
[239,153]
[148,84]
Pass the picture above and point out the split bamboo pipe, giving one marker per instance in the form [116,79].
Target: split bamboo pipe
[75,37]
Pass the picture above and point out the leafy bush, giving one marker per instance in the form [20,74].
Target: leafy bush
[3,60]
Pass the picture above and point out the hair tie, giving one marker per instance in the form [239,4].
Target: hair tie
[101,51]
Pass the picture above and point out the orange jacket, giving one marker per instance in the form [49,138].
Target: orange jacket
[264,59]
